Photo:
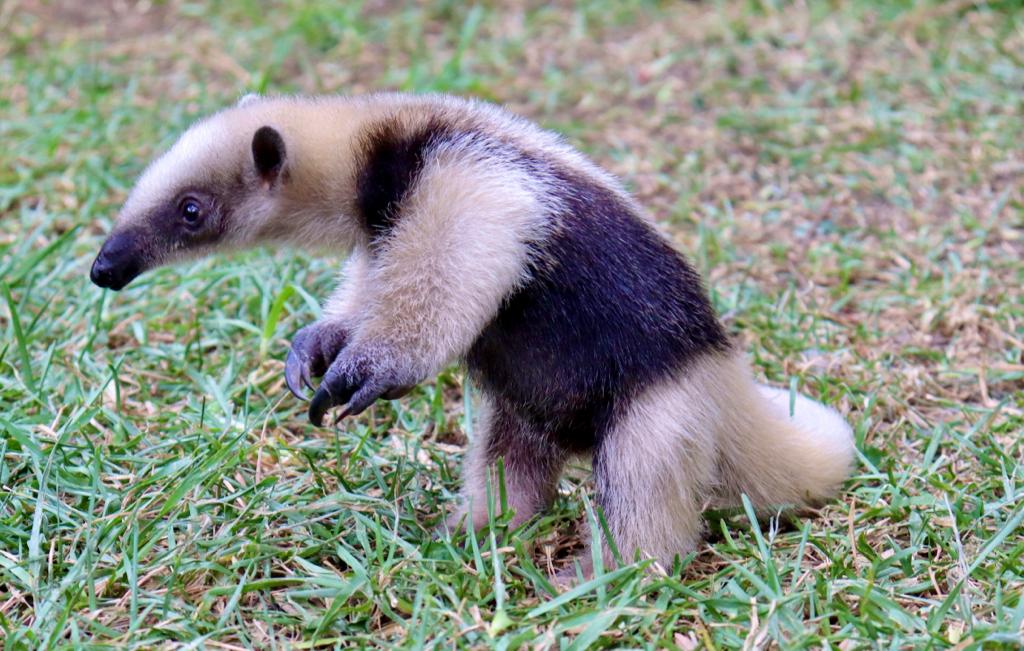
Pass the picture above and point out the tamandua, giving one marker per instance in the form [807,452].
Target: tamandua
[474,235]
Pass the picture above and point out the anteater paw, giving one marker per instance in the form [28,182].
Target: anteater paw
[356,379]
[313,349]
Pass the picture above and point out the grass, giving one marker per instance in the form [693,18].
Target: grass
[848,177]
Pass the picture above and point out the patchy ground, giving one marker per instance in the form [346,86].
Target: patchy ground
[848,176]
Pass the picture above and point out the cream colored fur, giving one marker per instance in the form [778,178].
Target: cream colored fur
[795,458]
[315,210]
[345,302]
[707,434]
[702,437]
[441,276]
[712,432]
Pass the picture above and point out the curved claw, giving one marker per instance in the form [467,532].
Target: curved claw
[318,406]
[355,404]
[296,373]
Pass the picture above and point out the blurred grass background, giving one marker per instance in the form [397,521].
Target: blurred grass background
[847,175]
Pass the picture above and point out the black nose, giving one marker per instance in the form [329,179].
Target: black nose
[118,262]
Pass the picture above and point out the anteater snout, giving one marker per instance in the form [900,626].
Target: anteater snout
[118,262]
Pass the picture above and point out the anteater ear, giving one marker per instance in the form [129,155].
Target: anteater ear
[268,154]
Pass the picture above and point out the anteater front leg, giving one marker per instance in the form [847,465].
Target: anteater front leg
[438,264]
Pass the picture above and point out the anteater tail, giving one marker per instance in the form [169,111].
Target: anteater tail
[775,449]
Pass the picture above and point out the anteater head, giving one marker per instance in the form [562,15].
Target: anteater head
[220,186]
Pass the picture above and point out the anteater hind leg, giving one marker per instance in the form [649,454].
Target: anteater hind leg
[531,465]
[654,469]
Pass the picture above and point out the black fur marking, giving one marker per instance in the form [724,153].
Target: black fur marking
[392,161]
[611,308]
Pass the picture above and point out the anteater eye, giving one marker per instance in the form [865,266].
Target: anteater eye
[190,211]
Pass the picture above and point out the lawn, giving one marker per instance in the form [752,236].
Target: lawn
[848,176]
